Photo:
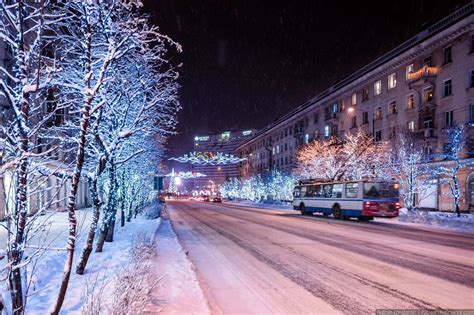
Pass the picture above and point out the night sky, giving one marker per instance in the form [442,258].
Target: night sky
[246,63]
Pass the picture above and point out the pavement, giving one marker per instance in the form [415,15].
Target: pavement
[262,261]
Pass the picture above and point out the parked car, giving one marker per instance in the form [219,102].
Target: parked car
[205,198]
[217,199]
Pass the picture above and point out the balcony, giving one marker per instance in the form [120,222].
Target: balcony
[426,133]
[422,74]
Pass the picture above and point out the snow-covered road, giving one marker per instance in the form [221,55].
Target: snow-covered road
[270,261]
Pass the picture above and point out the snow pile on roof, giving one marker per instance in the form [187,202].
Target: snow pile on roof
[441,219]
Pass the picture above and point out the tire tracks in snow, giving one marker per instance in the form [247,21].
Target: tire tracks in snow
[306,271]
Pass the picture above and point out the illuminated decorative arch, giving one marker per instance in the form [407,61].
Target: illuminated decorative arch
[208,158]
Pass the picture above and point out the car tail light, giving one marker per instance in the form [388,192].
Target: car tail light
[397,205]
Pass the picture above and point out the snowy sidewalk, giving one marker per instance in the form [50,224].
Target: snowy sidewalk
[178,292]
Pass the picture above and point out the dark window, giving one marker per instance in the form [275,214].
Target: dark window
[472,43]
[447,55]
[365,117]
[378,136]
[471,111]
[354,122]
[365,94]
[448,119]
[428,122]
[316,117]
[327,113]
[392,132]
[448,87]
[428,61]
[471,79]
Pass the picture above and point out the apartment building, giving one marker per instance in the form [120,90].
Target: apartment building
[423,86]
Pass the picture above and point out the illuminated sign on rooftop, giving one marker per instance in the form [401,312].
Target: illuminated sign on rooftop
[201,138]
[246,132]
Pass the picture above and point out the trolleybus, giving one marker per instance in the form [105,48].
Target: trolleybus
[362,199]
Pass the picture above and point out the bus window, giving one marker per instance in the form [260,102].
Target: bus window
[296,192]
[351,190]
[317,191]
[309,191]
[381,190]
[327,191]
[337,191]
[303,191]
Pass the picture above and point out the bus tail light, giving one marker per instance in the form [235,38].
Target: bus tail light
[397,205]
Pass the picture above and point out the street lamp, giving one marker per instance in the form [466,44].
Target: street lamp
[353,109]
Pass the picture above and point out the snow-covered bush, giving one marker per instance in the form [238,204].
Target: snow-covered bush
[129,293]
[276,186]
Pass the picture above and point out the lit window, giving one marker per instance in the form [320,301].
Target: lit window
[326,131]
[448,87]
[306,138]
[392,81]
[410,101]
[334,108]
[427,94]
[354,99]
[392,108]
[378,113]
[409,69]
[378,87]
[411,126]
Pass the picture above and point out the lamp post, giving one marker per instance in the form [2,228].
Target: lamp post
[353,109]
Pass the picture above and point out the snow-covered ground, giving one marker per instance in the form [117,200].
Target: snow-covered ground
[178,291]
[439,219]
[263,205]
[101,269]
[420,218]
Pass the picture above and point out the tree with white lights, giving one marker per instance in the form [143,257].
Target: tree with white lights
[454,161]
[412,172]
[354,158]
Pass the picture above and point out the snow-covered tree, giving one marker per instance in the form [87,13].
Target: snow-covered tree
[409,167]
[355,157]
[454,161]
[24,85]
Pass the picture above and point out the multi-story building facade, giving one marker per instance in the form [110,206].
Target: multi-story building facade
[226,143]
[423,86]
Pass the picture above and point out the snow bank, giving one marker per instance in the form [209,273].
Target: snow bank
[101,269]
[440,219]
[178,291]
